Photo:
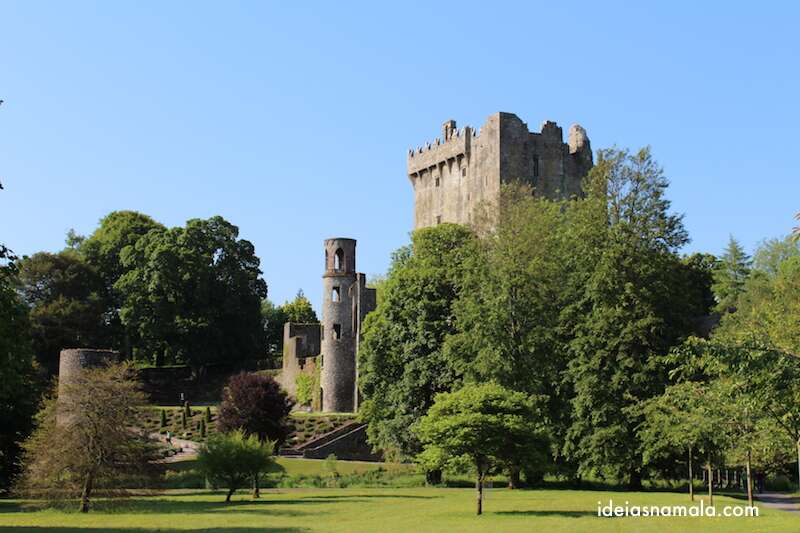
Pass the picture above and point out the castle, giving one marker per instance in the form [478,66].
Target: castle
[462,168]
[450,176]
[334,342]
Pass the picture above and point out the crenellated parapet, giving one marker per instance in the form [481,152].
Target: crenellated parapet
[454,145]
[462,169]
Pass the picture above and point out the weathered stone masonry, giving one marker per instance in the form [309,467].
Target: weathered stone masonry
[334,343]
[457,171]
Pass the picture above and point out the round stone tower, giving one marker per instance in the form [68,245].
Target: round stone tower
[339,335]
[73,361]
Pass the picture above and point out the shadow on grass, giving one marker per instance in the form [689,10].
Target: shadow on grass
[568,514]
[166,505]
[32,529]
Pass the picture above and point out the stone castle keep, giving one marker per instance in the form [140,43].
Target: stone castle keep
[450,176]
[458,170]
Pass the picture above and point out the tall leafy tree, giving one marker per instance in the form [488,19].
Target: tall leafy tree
[632,310]
[193,295]
[18,386]
[67,310]
[509,310]
[731,275]
[274,318]
[772,252]
[103,249]
[401,361]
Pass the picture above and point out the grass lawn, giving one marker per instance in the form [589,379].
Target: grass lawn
[379,510]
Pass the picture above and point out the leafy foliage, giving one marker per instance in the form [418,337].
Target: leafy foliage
[82,441]
[633,309]
[18,386]
[487,425]
[193,295]
[67,309]
[231,460]
[730,276]
[257,405]
[402,365]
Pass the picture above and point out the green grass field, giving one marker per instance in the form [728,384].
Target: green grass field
[379,510]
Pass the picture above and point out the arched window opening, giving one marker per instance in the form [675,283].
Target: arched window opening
[337,331]
[338,260]
[335,294]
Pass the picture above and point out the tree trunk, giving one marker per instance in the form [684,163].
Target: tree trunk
[433,477]
[691,477]
[88,485]
[513,478]
[479,490]
[230,493]
[256,488]
[749,481]
[635,482]
[798,464]
[710,481]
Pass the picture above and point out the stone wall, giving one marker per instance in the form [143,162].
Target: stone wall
[462,168]
[301,346]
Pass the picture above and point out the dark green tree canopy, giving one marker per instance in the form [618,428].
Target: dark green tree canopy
[193,295]
[67,310]
[401,365]
[730,276]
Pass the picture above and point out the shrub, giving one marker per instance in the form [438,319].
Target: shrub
[208,414]
[230,460]
[305,389]
[186,409]
[163,418]
[183,419]
[257,405]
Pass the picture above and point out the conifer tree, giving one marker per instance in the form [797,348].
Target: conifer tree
[730,276]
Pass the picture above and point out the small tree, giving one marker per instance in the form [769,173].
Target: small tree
[255,404]
[233,459]
[208,414]
[83,440]
[486,424]
[163,418]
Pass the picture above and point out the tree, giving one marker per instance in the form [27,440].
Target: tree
[257,405]
[65,296]
[18,384]
[86,439]
[274,318]
[193,295]
[299,310]
[634,306]
[103,249]
[768,309]
[508,311]
[772,252]
[401,360]
[233,459]
[486,424]
[685,417]
[730,276]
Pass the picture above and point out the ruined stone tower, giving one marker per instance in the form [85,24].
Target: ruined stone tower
[457,171]
[346,301]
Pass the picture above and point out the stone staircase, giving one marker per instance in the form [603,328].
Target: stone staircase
[348,442]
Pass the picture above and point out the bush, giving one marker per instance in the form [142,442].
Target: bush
[230,460]
[163,418]
[305,389]
[257,405]
[208,414]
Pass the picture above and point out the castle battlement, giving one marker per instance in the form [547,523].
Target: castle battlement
[464,167]
[453,144]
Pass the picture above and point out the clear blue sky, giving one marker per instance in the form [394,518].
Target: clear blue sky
[292,119]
